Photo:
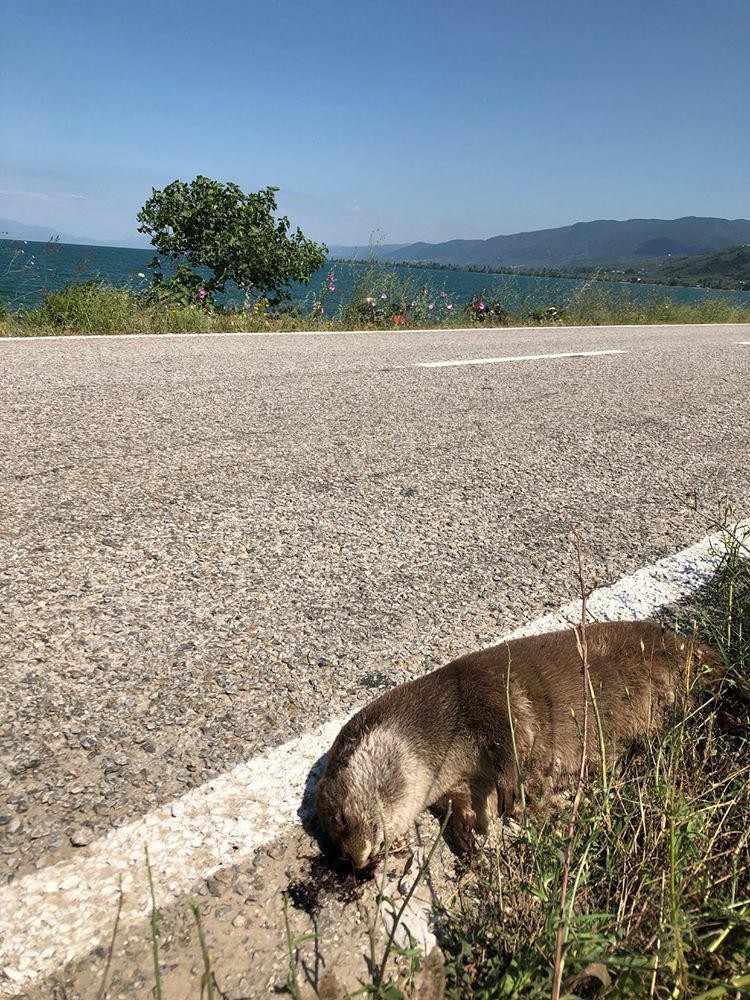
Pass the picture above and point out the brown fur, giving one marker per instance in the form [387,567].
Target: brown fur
[446,738]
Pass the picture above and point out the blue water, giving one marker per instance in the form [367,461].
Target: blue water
[27,269]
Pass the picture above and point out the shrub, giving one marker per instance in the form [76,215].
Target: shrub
[235,235]
[482,309]
[87,307]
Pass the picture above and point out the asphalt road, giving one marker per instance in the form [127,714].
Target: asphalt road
[209,545]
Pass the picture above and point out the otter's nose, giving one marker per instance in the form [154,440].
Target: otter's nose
[359,858]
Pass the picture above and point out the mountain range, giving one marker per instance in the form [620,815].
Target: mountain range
[605,241]
[584,244]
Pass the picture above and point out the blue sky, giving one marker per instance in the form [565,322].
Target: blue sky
[424,120]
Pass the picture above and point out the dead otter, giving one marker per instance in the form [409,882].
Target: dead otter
[448,737]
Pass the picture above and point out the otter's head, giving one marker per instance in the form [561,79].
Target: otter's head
[353,824]
[357,797]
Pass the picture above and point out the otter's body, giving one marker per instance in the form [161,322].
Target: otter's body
[447,737]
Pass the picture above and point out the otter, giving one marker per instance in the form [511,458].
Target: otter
[456,738]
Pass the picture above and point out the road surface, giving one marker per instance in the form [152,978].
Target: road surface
[210,545]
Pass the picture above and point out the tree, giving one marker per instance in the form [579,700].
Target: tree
[235,235]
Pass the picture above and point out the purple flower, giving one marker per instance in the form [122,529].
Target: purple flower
[481,305]
[332,287]
[202,293]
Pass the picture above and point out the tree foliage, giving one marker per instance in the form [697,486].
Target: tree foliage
[235,235]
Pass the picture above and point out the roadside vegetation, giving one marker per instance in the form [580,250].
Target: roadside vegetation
[658,902]
[381,300]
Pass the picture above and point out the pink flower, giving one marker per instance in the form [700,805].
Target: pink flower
[331,288]
[449,305]
[431,305]
[202,293]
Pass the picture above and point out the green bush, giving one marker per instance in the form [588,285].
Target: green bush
[237,236]
[88,307]
[481,309]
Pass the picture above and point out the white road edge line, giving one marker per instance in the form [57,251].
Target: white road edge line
[514,357]
[104,337]
[64,911]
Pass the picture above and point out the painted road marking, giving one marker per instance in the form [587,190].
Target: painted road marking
[64,911]
[505,330]
[513,357]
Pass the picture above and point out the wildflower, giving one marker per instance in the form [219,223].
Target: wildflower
[400,320]
[449,305]
[141,274]
[383,295]
[431,305]
[481,306]
[331,287]
[370,300]
[202,293]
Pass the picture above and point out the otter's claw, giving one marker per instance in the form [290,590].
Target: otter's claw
[463,823]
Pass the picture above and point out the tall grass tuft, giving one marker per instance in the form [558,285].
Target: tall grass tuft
[658,902]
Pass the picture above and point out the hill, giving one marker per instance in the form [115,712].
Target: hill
[10,229]
[604,241]
[376,251]
[724,269]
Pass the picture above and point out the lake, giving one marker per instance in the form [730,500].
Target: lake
[27,269]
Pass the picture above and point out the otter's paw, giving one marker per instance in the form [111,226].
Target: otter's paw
[463,823]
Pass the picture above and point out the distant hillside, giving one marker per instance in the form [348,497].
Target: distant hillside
[723,269]
[382,251]
[587,243]
[12,230]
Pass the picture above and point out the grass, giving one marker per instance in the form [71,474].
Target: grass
[382,299]
[659,897]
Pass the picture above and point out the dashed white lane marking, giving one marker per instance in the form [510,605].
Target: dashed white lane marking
[62,912]
[513,357]
[745,343]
